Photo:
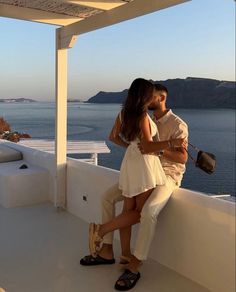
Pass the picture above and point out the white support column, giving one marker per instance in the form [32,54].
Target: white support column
[60,125]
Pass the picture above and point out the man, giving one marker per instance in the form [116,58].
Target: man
[173,160]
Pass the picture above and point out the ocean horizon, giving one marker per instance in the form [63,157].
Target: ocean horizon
[212,130]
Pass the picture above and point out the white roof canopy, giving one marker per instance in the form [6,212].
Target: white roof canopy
[60,12]
[80,16]
[64,12]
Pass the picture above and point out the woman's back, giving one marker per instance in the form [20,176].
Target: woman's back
[139,172]
[153,128]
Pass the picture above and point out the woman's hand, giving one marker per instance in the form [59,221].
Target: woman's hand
[145,148]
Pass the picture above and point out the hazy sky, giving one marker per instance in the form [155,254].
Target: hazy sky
[194,39]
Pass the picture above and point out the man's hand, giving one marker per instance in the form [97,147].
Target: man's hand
[179,143]
[177,155]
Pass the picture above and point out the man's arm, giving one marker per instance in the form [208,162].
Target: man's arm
[178,155]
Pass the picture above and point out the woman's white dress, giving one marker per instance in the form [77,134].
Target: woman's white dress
[139,172]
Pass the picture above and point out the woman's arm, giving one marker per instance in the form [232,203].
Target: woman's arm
[115,134]
[146,139]
[148,146]
[146,142]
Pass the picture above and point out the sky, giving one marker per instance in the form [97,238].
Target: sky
[194,39]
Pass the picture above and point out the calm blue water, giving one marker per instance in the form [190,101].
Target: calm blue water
[211,130]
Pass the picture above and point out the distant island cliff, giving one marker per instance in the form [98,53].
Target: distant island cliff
[13,100]
[185,93]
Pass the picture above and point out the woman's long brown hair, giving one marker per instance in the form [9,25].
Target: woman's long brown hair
[135,106]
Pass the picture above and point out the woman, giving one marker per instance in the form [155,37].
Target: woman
[139,174]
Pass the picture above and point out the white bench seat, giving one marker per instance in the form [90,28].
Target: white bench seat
[19,187]
[73,147]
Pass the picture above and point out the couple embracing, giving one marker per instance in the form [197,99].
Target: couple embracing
[151,170]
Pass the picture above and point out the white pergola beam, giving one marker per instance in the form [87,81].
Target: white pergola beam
[66,41]
[36,15]
[116,15]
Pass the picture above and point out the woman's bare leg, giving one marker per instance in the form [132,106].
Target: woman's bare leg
[129,216]
[125,233]
[134,264]
[125,237]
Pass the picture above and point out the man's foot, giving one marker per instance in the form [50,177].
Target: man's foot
[90,260]
[134,264]
[124,262]
[94,239]
[127,280]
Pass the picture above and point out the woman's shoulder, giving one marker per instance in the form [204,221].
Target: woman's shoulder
[145,116]
[150,119]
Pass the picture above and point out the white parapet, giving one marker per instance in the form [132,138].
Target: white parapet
[195,233]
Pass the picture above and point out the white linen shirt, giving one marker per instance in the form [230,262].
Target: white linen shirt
[170,126]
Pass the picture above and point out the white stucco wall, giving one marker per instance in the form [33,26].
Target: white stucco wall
[195,234]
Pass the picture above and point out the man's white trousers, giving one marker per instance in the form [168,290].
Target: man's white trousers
[155,203]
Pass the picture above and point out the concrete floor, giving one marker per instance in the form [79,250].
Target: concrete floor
[40,251]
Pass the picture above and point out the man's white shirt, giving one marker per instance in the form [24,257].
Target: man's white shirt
[170,126]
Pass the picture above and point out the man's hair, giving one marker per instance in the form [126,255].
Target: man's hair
[160,87]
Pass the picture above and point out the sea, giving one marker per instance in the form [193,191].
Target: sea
[211,130]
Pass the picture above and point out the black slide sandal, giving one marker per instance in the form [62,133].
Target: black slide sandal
[129,279]
[89,260]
